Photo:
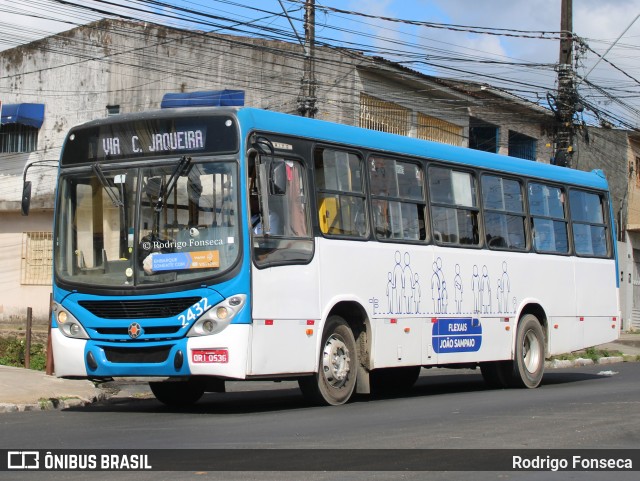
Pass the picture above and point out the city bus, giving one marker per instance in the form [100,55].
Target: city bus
[194,246]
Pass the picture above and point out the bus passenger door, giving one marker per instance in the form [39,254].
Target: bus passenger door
[285,283]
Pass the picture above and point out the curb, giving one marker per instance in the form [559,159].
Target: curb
[51,404]
[562,363]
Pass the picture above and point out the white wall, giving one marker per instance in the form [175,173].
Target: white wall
[15,297]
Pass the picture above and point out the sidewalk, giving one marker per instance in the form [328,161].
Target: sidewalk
[27,390]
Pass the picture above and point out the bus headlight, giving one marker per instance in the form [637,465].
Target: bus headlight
[68,324]
[218,317]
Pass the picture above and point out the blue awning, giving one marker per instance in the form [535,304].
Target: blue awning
[24,114]
[209,98]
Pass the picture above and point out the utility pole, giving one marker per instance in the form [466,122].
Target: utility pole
[565,104]
[307,99]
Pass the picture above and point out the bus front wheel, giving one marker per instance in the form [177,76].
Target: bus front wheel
[335,380]
[178,394]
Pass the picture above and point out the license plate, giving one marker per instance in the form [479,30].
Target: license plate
[210,356]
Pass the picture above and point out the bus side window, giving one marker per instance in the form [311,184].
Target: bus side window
[504,216]
[590,232]
[341,196]
[548,218]
[454,206]
[397,197]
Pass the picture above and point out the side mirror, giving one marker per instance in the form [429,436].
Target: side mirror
[26,197]
[278,178]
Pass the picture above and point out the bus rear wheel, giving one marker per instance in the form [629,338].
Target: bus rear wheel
[528,365]
[527,368]
[178,394]
[335,380]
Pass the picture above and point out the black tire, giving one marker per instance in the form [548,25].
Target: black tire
[527,368]
[393,379]
[528,365]
[178,394]
[335,381]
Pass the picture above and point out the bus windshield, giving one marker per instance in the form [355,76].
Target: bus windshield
[147,225]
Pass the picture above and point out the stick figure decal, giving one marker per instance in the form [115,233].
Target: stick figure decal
[403,291]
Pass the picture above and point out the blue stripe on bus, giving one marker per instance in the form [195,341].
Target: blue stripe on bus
[357,137]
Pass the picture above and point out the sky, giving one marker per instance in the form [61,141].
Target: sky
[513,43]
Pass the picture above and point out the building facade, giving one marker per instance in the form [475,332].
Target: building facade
[113,66]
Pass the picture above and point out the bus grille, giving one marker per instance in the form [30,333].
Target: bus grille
[137,309]
[124,331]
[142,355]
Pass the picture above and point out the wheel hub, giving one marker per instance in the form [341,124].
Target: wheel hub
[336,362]
[531,352]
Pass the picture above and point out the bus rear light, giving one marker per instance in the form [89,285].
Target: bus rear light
[268,322]
[394,321]
[310,322]
[555,326]
[507,328]
[407,330]
[434,320]
[581,319]
[309,332]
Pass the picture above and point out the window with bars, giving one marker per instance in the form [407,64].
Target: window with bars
[36,258]
[431,128]
[522,146]
[384,116]
[18,138]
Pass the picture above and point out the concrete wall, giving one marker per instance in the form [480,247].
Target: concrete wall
[77,74]
[15,297]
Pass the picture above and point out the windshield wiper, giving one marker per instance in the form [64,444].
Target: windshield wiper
[183,167]
[105,183]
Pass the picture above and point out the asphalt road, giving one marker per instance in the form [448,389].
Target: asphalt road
[594,407]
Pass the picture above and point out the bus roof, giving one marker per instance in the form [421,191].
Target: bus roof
[287,124]
[357,137]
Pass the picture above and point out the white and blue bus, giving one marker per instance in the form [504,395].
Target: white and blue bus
[195,246]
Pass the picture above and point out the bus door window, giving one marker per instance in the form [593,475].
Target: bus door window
[341,196]
[289,236]
[548,218]
[454,206]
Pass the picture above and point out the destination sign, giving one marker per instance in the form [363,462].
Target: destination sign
[112,140]
[166,142]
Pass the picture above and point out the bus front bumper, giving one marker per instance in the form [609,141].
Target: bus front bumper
[221,355]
